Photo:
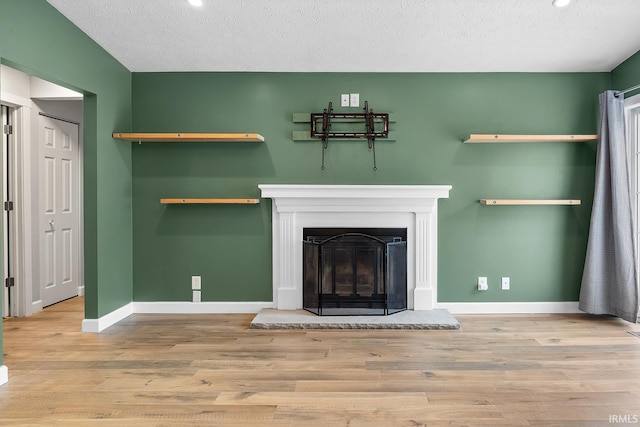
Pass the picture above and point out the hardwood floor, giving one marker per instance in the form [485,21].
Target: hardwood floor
[209,370]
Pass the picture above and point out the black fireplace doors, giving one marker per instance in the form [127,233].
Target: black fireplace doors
[355,273]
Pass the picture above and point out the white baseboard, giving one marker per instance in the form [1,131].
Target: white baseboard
[510,307]
[80,291]
[99,325]
[4,375]
[171,307]
[180,307]
[185,307]
[36,307]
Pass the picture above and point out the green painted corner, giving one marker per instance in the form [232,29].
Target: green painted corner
[627,74]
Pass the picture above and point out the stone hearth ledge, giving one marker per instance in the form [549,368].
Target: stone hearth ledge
[437,319]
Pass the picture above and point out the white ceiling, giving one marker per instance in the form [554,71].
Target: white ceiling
[361,35]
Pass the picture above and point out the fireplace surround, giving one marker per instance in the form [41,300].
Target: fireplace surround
[296,207]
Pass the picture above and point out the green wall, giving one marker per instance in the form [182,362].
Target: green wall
[38,40]
[627,74]
[541,247]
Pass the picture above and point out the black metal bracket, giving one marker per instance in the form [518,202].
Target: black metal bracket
[369,118]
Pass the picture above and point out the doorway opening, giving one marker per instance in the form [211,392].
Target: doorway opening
[42,164]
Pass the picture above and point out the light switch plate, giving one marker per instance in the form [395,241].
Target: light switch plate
[344,100]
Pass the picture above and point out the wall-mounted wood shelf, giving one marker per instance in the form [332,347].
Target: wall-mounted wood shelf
[210,201]
[476,138]
[496,202]
[189,137]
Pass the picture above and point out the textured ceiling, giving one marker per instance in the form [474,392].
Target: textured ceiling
[361,35]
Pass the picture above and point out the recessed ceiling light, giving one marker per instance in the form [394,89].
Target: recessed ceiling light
[195,3]
[561,3]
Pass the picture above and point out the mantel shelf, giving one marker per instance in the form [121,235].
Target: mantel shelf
[189,137]
[210,201]
[500,138]
[496,202]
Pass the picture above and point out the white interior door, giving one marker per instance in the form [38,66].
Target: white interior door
[59,209]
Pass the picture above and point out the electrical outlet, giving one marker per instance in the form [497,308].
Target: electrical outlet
[355,99]
[197,296]
[344,100]
[483,285]
[506,283]
[196,283]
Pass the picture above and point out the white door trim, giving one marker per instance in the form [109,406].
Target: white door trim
[21,226]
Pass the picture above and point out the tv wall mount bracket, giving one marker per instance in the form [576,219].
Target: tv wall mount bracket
[321,127]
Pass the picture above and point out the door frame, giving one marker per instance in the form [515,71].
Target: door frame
[26,252]
[7,159]
[20,231]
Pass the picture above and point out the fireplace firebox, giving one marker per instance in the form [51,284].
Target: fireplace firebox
[355,271]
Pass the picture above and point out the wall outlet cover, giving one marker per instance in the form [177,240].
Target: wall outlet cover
[505,283]
[355,99]
[344,100]
[196,283]
[483,284]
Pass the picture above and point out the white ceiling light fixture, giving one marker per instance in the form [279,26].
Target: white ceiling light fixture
[561,3]
[196,3]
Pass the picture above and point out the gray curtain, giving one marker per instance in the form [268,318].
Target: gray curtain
[609,281]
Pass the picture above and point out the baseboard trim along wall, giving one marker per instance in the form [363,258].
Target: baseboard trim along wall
[185,307]
[99,325]
[510,307]
[4,375]
[200,307]
[171,307]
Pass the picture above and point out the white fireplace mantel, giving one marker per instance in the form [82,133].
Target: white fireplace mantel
[414,207]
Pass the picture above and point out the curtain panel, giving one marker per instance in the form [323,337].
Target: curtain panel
[609,280]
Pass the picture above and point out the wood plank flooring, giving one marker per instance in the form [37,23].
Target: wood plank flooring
[212,370]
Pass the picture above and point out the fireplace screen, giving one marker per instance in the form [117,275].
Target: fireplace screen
[355,273]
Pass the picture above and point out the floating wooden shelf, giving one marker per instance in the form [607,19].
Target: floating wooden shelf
[495,202]
[210,201]
[189,137]
[493,138]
